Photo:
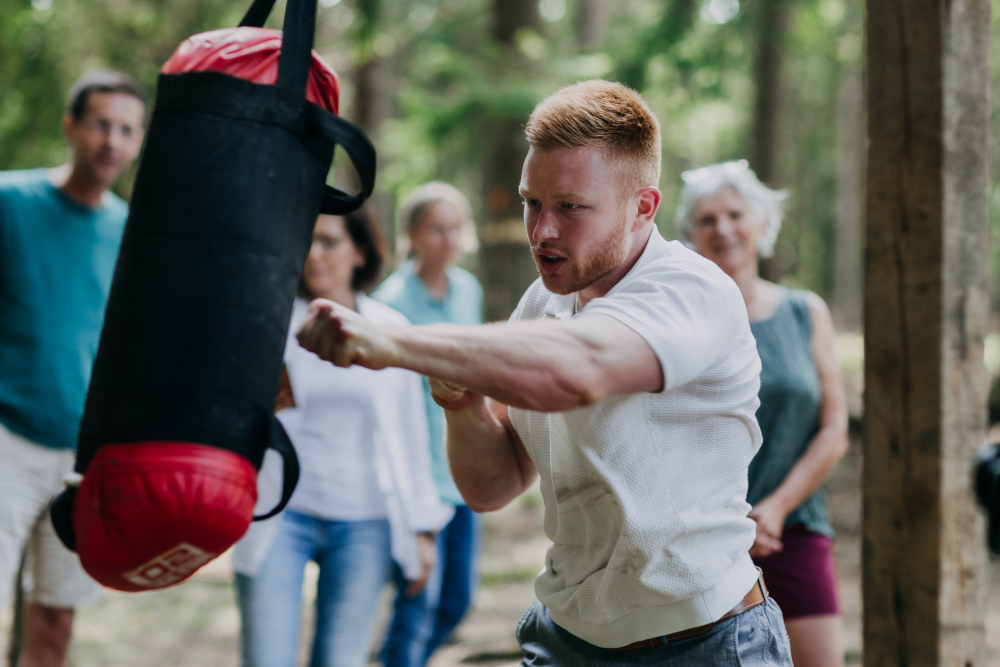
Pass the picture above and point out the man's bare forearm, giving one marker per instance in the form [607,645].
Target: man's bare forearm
[488,462]
[543,365]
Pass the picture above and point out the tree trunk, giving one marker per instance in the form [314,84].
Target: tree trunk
[591,24]
[505,258]
[771,26]
[846,305]
[371,106]
[926,312]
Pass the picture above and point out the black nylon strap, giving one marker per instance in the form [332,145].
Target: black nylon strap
[61,513]
[278,441]
[257,14]
[361,152]
[296,45]
[298,32]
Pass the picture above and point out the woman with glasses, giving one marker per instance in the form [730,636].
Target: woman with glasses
[365,498]
[727,215]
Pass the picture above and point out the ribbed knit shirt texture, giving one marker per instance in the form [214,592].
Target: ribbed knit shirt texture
[645,494]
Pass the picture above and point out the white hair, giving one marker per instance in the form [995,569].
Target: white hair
[416,204]
[767,205]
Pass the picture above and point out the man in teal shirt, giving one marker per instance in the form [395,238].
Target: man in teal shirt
[60,230]
[429,288]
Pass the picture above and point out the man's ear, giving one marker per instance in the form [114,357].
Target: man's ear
[68,127]
[647,202]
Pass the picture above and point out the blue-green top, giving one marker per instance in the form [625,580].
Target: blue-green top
[56,262]
[790,398]
[462,304]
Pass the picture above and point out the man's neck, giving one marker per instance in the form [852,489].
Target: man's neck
[81,189]
[435,278]
[604,285]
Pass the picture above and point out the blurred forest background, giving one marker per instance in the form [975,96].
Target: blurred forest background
[443,87]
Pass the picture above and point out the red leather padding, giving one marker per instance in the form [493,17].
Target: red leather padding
[251,54]
[148,515]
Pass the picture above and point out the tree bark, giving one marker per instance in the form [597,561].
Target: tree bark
[926,310]
[505,258]
[847,298]
[591,24]
[772,25]
[769,109]
[371,106]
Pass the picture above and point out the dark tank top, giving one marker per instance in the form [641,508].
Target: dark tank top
[790,398]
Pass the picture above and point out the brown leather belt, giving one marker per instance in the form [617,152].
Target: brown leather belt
[757,596]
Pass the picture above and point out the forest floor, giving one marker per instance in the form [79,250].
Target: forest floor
[196,624]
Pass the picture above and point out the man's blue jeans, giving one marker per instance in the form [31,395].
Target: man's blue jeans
[354,561]
[420,624]
[755,638]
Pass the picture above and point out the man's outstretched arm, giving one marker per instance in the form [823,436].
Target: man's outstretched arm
[543,365]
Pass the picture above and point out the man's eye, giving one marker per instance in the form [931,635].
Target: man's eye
[570,206]
[532,203]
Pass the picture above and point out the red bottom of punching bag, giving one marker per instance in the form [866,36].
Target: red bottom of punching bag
[148,515]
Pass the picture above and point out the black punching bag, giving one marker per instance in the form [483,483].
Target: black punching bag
[179,410]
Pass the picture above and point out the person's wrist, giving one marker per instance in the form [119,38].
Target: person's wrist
[777,505]
[394,354]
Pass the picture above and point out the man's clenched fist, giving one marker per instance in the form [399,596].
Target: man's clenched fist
[339,335]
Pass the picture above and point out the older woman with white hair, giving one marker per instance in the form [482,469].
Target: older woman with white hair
[727,215]
[435,222]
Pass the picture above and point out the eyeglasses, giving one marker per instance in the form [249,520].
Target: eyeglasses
[325,243]
[107,128]
[723,169]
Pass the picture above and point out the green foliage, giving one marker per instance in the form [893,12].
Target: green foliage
[47,44]
[448,84]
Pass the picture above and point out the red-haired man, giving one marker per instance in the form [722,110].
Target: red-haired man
[631,378]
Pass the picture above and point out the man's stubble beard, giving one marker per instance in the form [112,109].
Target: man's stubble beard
[580,276]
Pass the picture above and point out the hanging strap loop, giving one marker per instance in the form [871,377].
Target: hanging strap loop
[278,440]
[298,32]
[361,152]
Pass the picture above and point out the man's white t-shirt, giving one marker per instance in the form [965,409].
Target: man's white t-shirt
[645,494]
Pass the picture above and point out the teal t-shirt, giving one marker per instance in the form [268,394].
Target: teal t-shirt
[463,304]
[56,262]
[790,397]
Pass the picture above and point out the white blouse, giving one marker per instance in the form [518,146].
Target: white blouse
[361,438]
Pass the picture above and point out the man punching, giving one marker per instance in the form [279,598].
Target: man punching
[60,230]
[632,380]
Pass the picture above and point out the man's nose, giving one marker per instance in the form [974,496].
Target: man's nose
[545,228]
[114,139]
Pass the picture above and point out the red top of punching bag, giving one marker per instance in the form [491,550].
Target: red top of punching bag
[251,54]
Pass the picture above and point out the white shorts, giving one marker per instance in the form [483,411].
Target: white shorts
[30,475]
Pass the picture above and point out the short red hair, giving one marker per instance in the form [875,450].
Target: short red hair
[605,115]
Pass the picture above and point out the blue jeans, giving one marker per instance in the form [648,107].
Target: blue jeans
[421,623]
[755,638]
[354,561]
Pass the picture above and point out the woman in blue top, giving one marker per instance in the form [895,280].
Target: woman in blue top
[731,218]
[429,288]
